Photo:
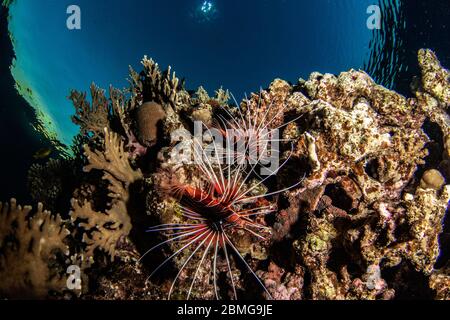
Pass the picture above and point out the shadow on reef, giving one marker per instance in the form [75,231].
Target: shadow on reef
[362,214]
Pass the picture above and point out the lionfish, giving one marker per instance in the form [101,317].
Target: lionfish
[214,210]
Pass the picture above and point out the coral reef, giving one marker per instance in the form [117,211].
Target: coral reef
[148,116]
[108,228]
[91,117]
[361,214]
[29,250]
[440,283]
[50,182]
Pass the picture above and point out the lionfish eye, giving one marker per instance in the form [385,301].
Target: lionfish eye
[217,225]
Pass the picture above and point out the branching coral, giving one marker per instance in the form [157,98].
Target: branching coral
[163,88]
[153,85]
[121,116]
[113,160]
[29,247]
[365,205]
[105,230]
[91,117]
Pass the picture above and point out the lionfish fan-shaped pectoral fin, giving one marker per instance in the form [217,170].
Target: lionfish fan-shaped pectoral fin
[219,126]
[205,238]
[198,235]
[177,191]
[168,185]
[187,231]
[236,251]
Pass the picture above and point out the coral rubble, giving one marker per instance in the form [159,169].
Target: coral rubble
[366,218]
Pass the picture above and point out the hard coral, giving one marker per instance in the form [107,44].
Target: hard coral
[50,183]
[105,230]
[91,117]
[368,144]
[163,88]
[361,209]
[113,161]
[354,135]
[29,250]
[148,116]
[435,79]
[440,282]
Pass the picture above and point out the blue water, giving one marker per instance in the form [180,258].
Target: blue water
[241,47]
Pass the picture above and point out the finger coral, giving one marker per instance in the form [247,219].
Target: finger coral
[366,211]
[29,249]
[160,87]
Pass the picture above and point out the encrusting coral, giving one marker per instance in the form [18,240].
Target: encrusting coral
[361,215]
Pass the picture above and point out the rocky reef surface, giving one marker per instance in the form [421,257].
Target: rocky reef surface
[366,219]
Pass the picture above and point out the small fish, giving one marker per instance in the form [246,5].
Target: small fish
[42,153]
